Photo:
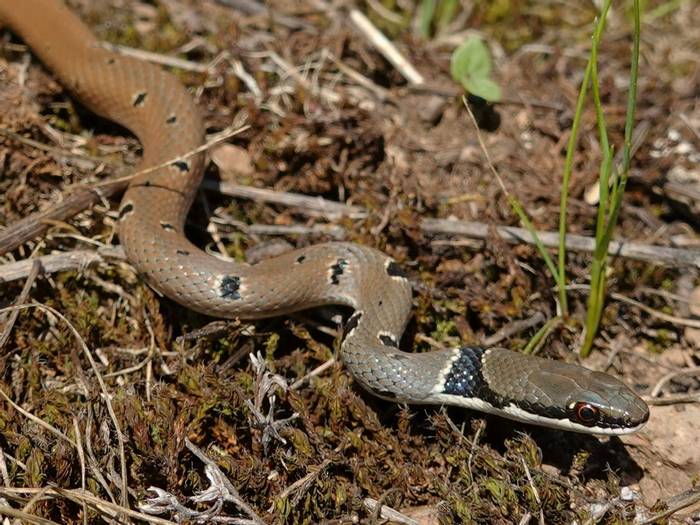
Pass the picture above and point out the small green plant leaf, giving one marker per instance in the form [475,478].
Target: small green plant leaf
[472,58]
[470,65]
[483,87]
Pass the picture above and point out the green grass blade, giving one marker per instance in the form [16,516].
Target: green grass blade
[564,197]
[605,227]
[426,13]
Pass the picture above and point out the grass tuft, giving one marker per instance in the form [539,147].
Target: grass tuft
[610,201]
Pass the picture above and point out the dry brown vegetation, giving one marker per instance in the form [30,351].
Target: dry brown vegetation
[109,390]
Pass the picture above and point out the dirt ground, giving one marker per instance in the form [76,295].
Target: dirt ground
[329,117]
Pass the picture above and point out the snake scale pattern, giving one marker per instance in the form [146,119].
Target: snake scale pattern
[159,111]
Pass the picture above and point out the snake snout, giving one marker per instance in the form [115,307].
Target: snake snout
[614,404]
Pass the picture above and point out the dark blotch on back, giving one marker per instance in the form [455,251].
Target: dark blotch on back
[352,323]
[388,340]
[230,286]
[167,226]
[172,119]
[126,209]
[139,99]
[301,259]
[465,378]
[182,166]
[395,270]
[182,252]
[337,270]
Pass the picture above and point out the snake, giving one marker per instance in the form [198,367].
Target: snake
[155,106]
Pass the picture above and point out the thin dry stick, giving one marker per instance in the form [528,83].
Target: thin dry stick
[71,203]
[330,209]
[59,262]
[692,323]
[94,464]
[674,257]
[660,255]
[380,92]
[103,505]
[251,7]
[157,58]
[513,201]
[674,504]
[36,419]
[385,47]
[3,470]
[672,400]
[535,492]
[387,512]
[81,197]
[315,372]
[233,492]
[34,500]
[105,393]
[81,458]
[331,97]
[25,517]
[213,141]
[59,152]
[514,327]
[693,370]
[301,486]
[24,294]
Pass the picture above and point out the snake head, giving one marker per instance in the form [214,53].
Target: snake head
[561,395]
[600,403]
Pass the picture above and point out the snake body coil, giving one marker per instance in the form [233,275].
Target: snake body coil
[155,106]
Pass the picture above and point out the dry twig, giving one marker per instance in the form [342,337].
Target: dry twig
[388,513]
[34,270]
[385,47]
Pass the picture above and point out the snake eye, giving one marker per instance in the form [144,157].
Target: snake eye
[586,414]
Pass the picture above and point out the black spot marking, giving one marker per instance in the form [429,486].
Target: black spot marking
[388,340]
[465,378]
[301,259]
[380,302]
[125,210]
[337,270]
[230,287]
[111,60]
[182,252]
[172,119]
[139,99]
[182,165]
[352,323]
[167,226]
[395,270]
